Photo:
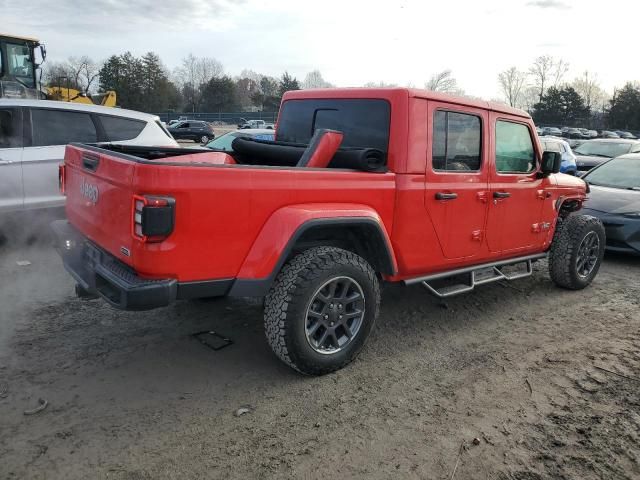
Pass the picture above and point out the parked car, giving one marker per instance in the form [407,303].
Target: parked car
[608,134]
[196,130]
[575,133]
[553,144]
[349,204]
[592,134]
[223,142]
[171,123]
[553,131]
[254,124]
[594,152]
[627,135]
[33,136]
[539,131]
[615,200]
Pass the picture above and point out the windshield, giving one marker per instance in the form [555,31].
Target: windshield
[19,64]
[603,149]
[223,142]
[617,173]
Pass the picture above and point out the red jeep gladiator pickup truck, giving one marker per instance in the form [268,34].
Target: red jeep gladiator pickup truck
[359,186]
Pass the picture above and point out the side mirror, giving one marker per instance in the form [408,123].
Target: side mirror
[550,163]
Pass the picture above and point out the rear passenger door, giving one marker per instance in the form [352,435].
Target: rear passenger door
[51,131]
[457,180]
[11,191]
[517,196]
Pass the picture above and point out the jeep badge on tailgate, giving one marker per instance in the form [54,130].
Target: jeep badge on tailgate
[89,191]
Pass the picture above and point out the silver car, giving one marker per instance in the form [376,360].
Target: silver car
[33,135]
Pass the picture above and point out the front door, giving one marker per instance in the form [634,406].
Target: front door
[11,190]
[517,197]
[457,179]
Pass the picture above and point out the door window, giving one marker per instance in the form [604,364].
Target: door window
[118,128]
[10,128]
[59,127]
[456,142]
[514,148]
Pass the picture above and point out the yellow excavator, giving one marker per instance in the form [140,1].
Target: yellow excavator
[20,60]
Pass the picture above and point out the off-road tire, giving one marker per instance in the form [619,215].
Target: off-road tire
[563,257]
[287,301]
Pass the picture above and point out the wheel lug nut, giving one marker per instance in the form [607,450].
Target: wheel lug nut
[340,316]
[326,316]
[331,305]
[340,306]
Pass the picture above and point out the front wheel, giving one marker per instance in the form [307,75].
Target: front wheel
[204,139]
[321,309]
[577,251]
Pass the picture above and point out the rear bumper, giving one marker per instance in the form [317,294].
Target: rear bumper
[100,273]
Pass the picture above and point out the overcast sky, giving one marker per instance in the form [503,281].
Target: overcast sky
[350,41]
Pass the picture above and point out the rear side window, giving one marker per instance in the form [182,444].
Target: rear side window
[364,122]
[514,148]
[118,128]
[10,128]
[456,141]
[59,127]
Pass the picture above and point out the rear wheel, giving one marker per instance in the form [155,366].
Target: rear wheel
[321,309]
[577,251]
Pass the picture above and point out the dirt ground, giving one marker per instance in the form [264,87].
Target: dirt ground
[520,367]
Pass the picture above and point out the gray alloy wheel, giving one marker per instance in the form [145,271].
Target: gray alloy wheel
[204,139]
[334,315]
[588,254]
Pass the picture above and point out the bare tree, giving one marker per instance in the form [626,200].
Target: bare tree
[314,79]
[443,82]
[541,71]
[528,97]
[512,82]
[193,74]
[379,84]
[589,89]
[561,68]
[547,71]
[80,73]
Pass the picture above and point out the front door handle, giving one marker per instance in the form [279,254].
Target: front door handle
[446,196]
[501,194]
[5,162]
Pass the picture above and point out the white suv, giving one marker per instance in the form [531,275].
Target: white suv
[33,135]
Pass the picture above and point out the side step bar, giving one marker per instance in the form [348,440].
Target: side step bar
[477,275]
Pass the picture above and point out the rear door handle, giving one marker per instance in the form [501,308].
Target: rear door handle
[446,196]
[501,194]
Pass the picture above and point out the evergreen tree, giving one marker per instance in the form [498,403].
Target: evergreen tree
[219,95]
[624,112]
[561,106]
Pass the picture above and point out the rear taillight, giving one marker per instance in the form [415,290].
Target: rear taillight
[61,178]
[152,217]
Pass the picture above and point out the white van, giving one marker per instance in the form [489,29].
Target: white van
[33,136]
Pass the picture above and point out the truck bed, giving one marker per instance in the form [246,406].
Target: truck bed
[220,207]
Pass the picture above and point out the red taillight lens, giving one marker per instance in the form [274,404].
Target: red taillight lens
[61,178]
[152,217]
